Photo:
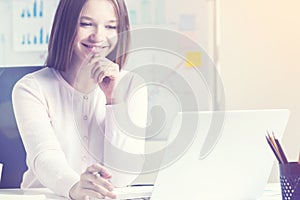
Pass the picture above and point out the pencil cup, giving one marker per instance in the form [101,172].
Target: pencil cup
[290,181]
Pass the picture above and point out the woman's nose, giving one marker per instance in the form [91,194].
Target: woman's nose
[98,35]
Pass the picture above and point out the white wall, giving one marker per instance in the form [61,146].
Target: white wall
[259,51]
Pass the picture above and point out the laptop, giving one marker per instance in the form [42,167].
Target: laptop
[236,166]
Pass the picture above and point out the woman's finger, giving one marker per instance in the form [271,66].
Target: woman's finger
[96,72]
[99,169]
[98,189]
[101,77]
[98,66]
[96,179]
[111,72]
[91,193]
[95,67]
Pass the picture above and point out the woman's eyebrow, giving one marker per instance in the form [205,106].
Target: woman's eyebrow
[86,17]
[89,18]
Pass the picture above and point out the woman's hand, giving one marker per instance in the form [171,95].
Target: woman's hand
[106,74]
[94,182]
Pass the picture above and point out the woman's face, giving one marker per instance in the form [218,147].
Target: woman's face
[97,30]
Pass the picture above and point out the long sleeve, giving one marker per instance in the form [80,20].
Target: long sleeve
[125,131]
[44,154]
[62,130]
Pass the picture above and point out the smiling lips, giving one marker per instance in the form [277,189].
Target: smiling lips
[94,48]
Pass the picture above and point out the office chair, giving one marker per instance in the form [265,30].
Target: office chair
[12,152]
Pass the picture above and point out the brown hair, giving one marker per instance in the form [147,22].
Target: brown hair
[64,30]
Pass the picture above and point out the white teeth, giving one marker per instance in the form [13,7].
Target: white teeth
[94,49]
[93,46]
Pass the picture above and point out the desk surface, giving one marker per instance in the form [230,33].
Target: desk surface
[141,192]
[272,192]
[30,194]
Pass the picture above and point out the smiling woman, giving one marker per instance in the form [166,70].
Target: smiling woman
[70,16]
[65,112]
[97,32]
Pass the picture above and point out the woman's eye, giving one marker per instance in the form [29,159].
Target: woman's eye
[85,24]
[111,27]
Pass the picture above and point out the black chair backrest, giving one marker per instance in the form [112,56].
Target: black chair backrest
[12,153]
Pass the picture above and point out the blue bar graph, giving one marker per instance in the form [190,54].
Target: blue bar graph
[146,13]
[150,12]
[47,38]
[23,13]
[41,36]
[23,40]
[28,39]
[32,23]
[132,16]
[34,10]
[35,39]
[28,13]
[41,8]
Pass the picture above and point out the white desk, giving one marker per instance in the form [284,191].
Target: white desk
[28,194]
[140,193]
[272,192]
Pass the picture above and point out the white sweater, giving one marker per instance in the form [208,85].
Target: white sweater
[64,131]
